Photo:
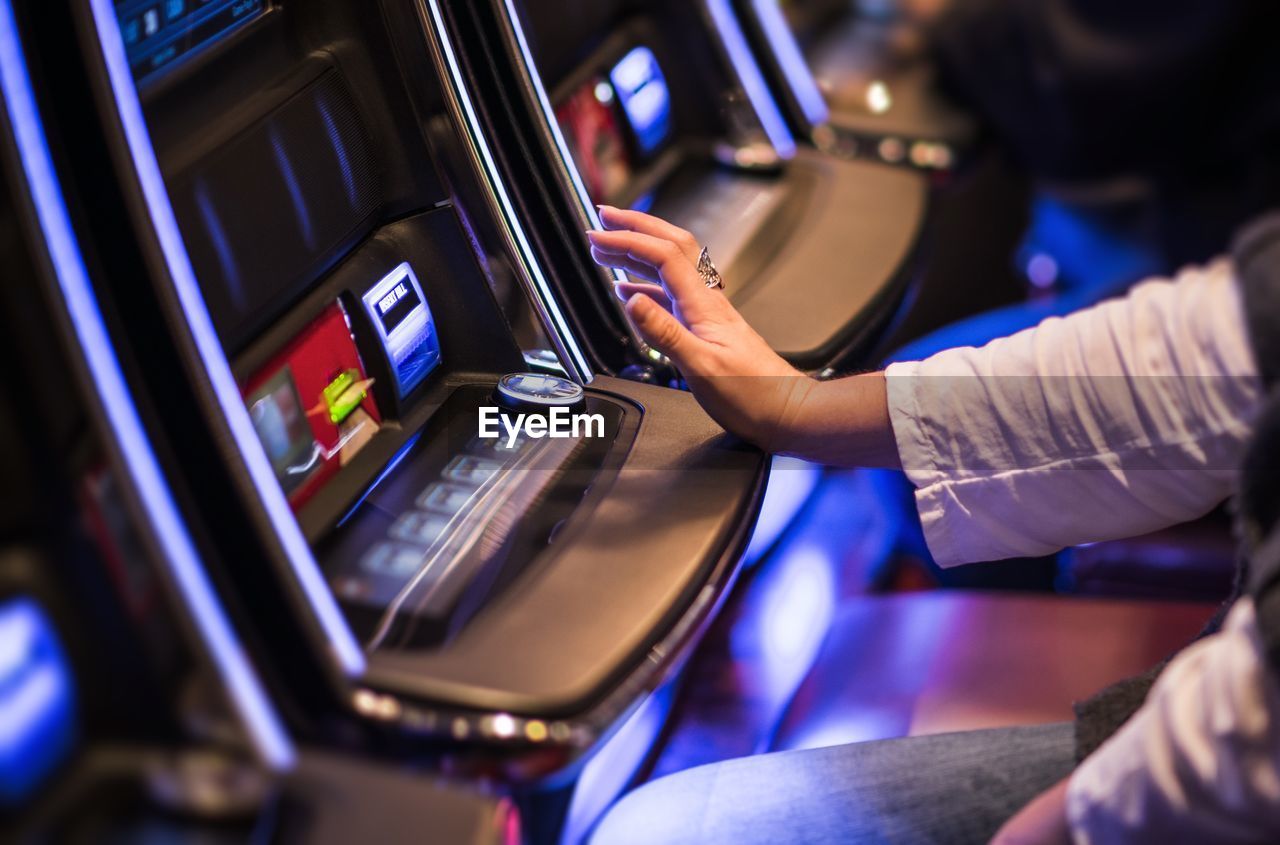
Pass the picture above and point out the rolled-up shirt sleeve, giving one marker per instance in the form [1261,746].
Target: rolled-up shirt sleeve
[1117,420]
[1200,762]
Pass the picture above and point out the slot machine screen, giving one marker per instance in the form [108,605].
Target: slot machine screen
[158,33]
[646,100]
[282,426]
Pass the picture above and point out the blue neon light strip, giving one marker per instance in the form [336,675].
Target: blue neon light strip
[794,67]
[247,695]
[341,641]
[563,331]
[744,63]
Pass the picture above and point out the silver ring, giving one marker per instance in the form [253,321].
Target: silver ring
[707,270]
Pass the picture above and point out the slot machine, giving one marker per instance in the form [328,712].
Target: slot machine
[129,710]
[663,107]
[855,79]
[338,310]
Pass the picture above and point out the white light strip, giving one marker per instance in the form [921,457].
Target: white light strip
[340,639]
[247,695]
[794,67]
[744,64]
[562,329]
[549,116]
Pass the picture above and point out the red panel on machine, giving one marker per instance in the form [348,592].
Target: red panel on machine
[311,405]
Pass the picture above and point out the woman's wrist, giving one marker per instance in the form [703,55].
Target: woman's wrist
[843,422]
[789,431]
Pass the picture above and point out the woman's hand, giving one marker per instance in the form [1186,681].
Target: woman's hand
[743,384]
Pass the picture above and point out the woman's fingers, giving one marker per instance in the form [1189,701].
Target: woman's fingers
[616,219]
[626,290]
[666,334]
[630,265]
[677,273]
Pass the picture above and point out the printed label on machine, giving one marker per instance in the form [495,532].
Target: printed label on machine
[405,327]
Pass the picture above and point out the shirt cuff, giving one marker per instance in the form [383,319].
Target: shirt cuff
[915,451]
[1079,803]
[919,457]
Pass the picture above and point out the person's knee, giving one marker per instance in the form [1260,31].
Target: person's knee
[653,813]
[667,811]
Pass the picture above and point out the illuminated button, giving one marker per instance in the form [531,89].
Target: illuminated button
[525,392]
[418,527]
[150,22]
[892,150]
[351,588]
[466,469]
[879,100]
[445,499]
[392,559]
[173,9]
[496,447]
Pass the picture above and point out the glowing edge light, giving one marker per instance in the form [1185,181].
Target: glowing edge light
[549,117]
[458,87]
[744,64]
[338,635]
[247,695]
[794,67]
[553,126]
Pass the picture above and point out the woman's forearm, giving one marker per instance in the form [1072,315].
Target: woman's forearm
[844,422]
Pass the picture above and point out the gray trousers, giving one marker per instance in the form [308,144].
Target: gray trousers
[950,788]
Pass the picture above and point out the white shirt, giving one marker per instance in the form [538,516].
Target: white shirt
[1118,420]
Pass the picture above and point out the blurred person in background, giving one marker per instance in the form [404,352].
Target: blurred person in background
[1150,131]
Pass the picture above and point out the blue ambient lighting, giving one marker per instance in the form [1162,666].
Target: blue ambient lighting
[642,88]
[339,150]
[794,67]
[607,774]
[221,244]
[295,189]
[382,476]
[338,636]
[116,405]
[561,329]
[735,42]
[37,700]
[791,483]
[797,613]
